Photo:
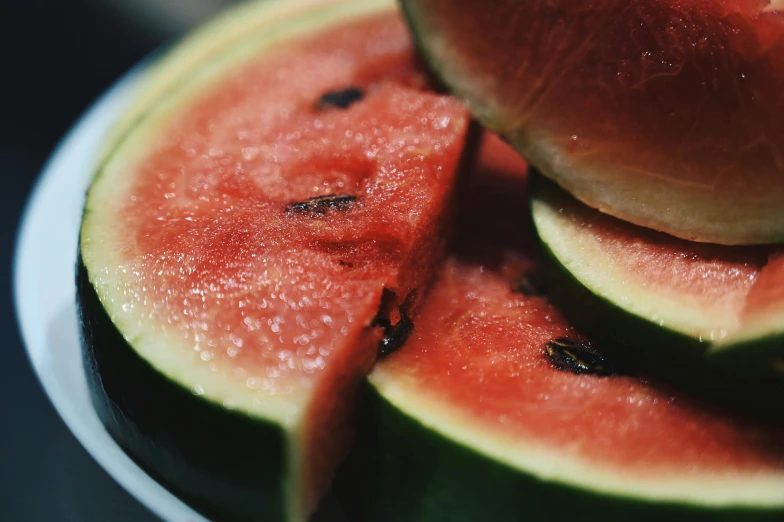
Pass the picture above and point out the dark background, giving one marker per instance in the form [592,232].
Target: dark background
[56,57]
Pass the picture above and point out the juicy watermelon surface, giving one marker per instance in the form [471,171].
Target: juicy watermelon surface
[712,279]
[715,295]
[258,231]
[477,368]
[764,305]
[253,233]
[710,276]
[486,358]
[217,244]
[663,113]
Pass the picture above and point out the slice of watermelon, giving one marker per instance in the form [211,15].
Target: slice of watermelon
[664,113]
[669,301]
[497,409]
[274,205]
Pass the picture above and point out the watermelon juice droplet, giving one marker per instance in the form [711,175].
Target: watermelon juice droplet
[264,230]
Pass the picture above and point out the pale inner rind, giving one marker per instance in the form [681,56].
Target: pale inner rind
[536,458]
[642,198]
[102,244]
[169,85]
[585,258]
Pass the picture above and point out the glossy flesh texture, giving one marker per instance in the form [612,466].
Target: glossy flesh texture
[666,113]
[472,418]
[725,299]
[479,348]
[226,205]
[242,235]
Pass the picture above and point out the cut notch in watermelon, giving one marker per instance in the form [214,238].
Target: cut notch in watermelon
[681,300]
[498,409]
[241,237]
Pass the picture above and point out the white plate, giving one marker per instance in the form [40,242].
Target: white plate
[45,289]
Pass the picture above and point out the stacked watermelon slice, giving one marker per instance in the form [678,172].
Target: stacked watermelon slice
[289,207]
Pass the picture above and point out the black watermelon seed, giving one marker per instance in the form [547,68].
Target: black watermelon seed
[570,355]
[319,205]
[342,99]
[395,336]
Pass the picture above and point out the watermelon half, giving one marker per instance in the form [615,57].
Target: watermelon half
[664,113]
[666,302]
[269,213]
[498,409]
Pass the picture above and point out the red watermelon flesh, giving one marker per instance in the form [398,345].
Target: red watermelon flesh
[665,113]
[479,354]
[765,300]
[229,249]
[736,289]
[480,348]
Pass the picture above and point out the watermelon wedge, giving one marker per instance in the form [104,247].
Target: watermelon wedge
[664,113]
[265,218]
[498,409]
[670,302]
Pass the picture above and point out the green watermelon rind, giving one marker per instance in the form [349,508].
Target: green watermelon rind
[239,462]
[749,383]
[405,467]
[223,462]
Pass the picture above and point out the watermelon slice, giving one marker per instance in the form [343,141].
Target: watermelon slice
[272,214]
[670,301]
[664,113]
[497,409]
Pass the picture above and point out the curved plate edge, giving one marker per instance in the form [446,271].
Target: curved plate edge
[48,230]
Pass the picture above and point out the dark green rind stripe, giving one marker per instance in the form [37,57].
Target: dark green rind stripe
[431,67]
[641,346]
[767,350]
[403,471]
[226,464]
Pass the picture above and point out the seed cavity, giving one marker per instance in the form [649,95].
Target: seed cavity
[320,205]
[342,99]
[529,284]
[395,336]
[578,357]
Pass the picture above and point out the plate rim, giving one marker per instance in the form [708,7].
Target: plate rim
[31,321]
